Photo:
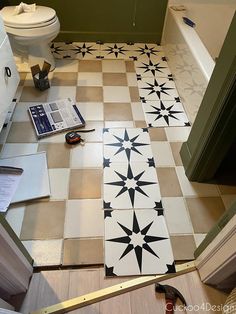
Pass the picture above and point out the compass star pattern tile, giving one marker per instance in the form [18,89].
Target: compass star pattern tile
[132,185]
[116,51]
[61,50]
[137,243]
[85,51]
[143,51]
[152,68]
[127,145]
[163,113]
[157,89]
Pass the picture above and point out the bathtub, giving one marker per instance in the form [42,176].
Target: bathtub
[190,62]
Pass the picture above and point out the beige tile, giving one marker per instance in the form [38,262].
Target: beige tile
[43,220]
[61,92]
[66,65]
[22,78]
[112,66]
[90,66]
[228,200]
[168,180]
[58,155]
[195,188]
[85,183]
[162,154]
[227,189]
[64,79]
[132,79]
[204,212]
[130,66]
[140,124]
[83,252]
[114,79]
[89,93]
[119,124]
[117,111]
[175,147]
[183,247]
[157,134]
[30,93]
[1,146]
[134,94]
[22,132]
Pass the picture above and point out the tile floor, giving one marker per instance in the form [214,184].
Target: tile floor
[56,230]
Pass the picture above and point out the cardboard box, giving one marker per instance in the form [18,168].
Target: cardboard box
[40,77]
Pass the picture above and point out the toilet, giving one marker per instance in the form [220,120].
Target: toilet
[30,34]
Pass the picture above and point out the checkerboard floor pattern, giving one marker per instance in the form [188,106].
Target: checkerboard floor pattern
[68,228]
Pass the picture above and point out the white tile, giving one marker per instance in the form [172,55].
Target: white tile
[162,154]
[84,218]
[176,214]
[45,252]
[133,185]
[158,88]
[164,113]
[194,188]
[59,183]
[91,110]
[12,150]
[137,111]
[119,124]
[228,200]
[113,66]
[132,79]
[21,113]
[116,94]
[127,145]
[199,238]
[61,92]
[89,79]
[66,65]
[15,216]
[177,134]
[136,242]
[88,155]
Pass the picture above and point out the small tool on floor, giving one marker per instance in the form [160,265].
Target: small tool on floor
[73,137]
[171,295]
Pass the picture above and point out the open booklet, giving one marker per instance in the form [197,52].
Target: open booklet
[9,181]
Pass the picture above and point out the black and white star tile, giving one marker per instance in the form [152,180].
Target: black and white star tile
[137,243]
[157,88]
[116,51]
[133,185]
[127,145]
[152,68]
[85,51]
[62,50]
[146,51]
[164,113]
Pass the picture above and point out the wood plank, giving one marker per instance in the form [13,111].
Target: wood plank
[117,305]
[116,290]
[82,282]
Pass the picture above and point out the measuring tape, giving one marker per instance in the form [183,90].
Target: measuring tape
[73,137]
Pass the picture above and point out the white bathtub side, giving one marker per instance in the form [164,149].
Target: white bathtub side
[189,61]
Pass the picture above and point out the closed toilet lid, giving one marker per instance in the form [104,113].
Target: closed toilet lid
[40,17]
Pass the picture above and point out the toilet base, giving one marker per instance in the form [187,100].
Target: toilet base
[37,54]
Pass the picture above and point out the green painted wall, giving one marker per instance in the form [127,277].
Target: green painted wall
[107,20]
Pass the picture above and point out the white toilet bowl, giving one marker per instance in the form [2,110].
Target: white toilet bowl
[31,33]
